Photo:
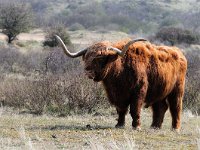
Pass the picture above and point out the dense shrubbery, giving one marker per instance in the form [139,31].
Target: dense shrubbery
[177,36]
[46,61]
[50,82]
[55,94]
[47,82]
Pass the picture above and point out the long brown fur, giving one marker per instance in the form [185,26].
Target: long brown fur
[147,74]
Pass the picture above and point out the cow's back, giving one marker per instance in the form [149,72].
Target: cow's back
[164,66]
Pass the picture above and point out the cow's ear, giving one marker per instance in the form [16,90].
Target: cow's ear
[83,57]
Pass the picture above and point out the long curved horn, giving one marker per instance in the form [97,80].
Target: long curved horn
[130,43]
[118,51]
[122,52]
[66,51]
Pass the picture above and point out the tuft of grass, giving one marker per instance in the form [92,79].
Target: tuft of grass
[198,139]
[24,138]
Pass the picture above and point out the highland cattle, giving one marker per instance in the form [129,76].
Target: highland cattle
[136,73]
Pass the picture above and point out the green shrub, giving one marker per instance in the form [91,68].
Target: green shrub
[57,29]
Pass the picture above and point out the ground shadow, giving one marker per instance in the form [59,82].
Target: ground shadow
[71,127]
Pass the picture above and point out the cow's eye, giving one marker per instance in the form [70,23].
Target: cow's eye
[101,61]
[99,57]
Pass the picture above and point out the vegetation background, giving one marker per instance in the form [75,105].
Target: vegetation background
[38,79]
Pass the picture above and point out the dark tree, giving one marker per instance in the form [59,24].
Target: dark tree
[15,18]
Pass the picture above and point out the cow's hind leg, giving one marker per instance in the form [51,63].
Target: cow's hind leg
[121,117]
[175,104]
[159,108]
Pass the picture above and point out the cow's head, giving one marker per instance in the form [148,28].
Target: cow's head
[98,57]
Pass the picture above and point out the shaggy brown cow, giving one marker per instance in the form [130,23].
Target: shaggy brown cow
[136,73]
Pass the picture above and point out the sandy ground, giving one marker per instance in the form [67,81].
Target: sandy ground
[35,35]
[77,37]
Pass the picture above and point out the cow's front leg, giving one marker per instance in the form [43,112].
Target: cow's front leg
[136,106]
[135,110]
[121,117]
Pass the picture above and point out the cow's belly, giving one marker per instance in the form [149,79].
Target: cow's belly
[158,93]
[119,101]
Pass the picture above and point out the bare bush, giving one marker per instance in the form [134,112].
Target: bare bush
[13,61]
[59,95]
[85,96]
[56,62]
[53,61]
[9,59]
[177,36]
[192,96]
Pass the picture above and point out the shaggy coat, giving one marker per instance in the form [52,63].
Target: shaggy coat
[147,75]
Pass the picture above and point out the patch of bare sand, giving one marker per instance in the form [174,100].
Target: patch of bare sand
[35,35]
[3,37]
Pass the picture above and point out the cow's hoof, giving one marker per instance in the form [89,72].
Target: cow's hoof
[119,126]
[176,130]
[155,127]
[138,128]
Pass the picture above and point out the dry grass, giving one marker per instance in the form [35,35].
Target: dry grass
[93,132]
